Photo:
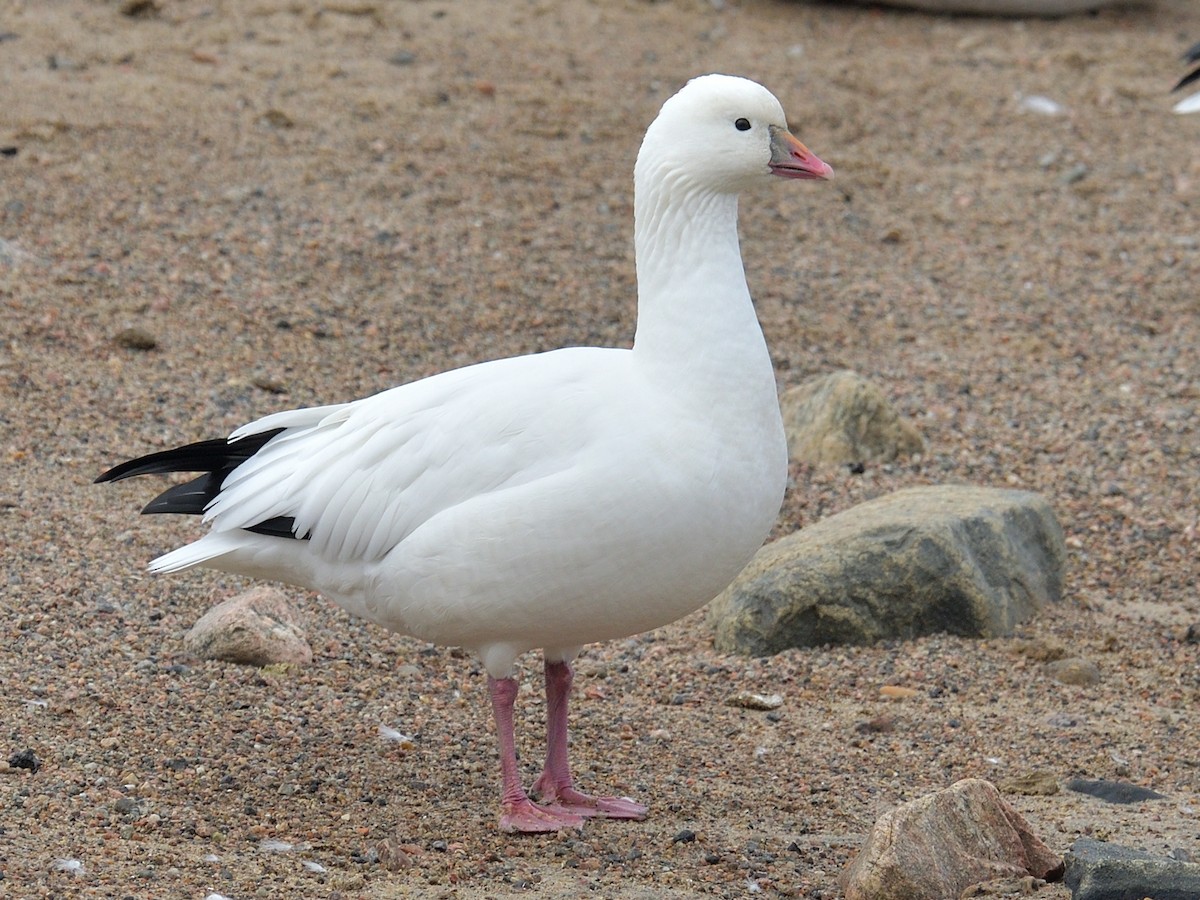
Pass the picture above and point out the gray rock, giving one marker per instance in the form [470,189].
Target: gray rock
[1074,670]
[254,628]
[964,560]
[1113,791]
[842,418]
[1097,870]
[939,845]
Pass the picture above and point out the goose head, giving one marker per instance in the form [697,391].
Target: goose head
[722,134]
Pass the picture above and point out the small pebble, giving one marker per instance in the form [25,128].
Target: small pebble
[141,9]
[1074,671]
[751,700]
[135,338]
[1042,106]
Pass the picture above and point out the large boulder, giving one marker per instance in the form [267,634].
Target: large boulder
[842,418]
[255,628]
[1097,870]
[969,561]
[937,846]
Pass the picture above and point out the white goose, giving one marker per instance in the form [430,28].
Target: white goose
[543,501]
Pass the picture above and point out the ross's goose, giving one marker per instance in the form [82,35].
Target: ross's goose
[1189,104]
[543,501]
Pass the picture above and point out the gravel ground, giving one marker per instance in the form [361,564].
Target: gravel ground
[305,202]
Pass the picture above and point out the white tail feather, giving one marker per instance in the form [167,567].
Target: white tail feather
[196,553]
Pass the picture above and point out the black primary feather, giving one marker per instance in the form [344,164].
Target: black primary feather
[1193,55]
[216,459]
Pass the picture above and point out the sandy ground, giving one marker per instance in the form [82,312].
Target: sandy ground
[306,202]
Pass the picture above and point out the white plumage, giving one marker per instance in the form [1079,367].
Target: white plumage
[552,500]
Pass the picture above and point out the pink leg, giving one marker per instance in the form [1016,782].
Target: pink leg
[554,787]
[517,811]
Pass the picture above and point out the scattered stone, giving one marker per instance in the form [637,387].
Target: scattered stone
[135,338]
[877,725]
[1039,8]
[686,836]
[965,560]
[1074,670]
[141,9]
[897,692]
[255,628]
[1097,870]
[1004,887]
[751,700]
[841,419]
[56,62]
[269,383]
[393,855]
[1031,784]
[1038,649]
[25,759]
[1113,791]
[402,58]
[277,118]
[1063,720]
[1190,634]
[943,843]
[1039,105]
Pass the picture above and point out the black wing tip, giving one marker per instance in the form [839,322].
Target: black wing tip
[1190,78]
[119,472]
[1191,55]
[214,455]
[191,498]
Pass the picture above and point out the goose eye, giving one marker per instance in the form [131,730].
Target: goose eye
[742,124]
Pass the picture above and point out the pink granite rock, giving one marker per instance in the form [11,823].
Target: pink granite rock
[937,846]
[255,628]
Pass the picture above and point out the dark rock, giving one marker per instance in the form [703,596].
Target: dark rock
[25,759]
[1113,791]
[277,118]
[136,338]
[686,836]
[141,9]
[964,560]
[1048,8]
[1096,870]
[941,844]
[841,419]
